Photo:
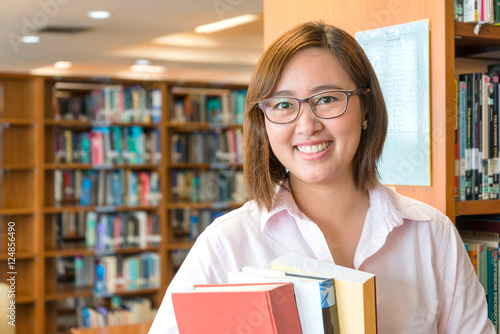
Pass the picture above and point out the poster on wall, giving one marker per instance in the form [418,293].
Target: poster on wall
[400,57]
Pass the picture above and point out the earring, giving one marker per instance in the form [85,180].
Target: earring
[365,124]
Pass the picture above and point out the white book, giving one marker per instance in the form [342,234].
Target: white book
[313,295]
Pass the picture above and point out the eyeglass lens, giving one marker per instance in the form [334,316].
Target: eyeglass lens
[324,105]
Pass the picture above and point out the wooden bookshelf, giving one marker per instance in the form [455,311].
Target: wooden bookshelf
[182,124]
[30,121]
[20,106]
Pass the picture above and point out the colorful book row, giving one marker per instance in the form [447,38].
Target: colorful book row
[107,232]
[481,238]
[115,104]
[191,222]
[208,186]
[111,273]
[202,107]
[477,132]
[106,188]
[208,147]
[119,273]
[108,145]
[120,312]
[483,11]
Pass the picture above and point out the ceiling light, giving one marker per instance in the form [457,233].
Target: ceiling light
[30,39]
[63,65]
[99,14]
[226,24]
[147,69]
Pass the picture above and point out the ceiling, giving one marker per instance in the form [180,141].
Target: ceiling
[161,31]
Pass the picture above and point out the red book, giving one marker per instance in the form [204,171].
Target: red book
[96,148]
[144,181]
[237,308]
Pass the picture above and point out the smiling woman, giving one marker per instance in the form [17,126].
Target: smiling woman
[314,129]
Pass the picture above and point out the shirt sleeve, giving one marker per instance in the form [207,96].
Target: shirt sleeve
[463,307]
[203,265]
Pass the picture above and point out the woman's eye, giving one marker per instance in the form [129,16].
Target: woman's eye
[326,99]
[283,105]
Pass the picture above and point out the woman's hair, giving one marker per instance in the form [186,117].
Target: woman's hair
[262,170]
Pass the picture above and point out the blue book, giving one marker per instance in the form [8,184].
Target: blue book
[86,194]
[86,321]
[100,278]
[134,273]
[493,286]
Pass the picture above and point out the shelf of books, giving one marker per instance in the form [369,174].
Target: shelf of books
[85,167]
[477,118]
[204,134]
[477,207]
[19,197]
[103,205]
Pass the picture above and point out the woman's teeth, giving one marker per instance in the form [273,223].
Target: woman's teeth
[313,148]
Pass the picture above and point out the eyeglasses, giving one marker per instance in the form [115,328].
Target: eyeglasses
[325,105]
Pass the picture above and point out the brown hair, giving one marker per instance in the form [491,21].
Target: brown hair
[262,170]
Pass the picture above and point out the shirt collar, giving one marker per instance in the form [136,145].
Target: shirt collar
[394,207]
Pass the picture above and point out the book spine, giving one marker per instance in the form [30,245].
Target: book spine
[462,132]
[495,135]
[469,147]
[493,286]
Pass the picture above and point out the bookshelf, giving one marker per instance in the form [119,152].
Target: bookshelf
[473,54]
[102,166]
[21,104]
[47,161]
[204,166]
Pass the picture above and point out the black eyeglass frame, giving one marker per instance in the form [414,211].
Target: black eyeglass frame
[347,93]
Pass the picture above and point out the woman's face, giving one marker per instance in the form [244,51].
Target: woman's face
[309,72]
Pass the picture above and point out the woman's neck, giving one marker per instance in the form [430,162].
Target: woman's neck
[336,203]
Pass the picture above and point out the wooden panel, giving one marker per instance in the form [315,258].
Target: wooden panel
[24,269]
[17,189]
[17,101]
[489,207]
[359,15]
[18,144]
[25,318]
[24,238]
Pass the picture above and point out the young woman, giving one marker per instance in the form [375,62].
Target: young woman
[314,129]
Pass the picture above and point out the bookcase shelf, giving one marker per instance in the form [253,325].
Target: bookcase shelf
[65,291]
[37,112]
[203,205]
[204,166]
[483,45]
[19,256]
[69,251]
[192,126]
[53,166]
[484,207]
[18,166]
[103,209]
[5,122]
[16,211]
[90,124]
[174,245]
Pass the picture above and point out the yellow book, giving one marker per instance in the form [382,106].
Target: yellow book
[354,291]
